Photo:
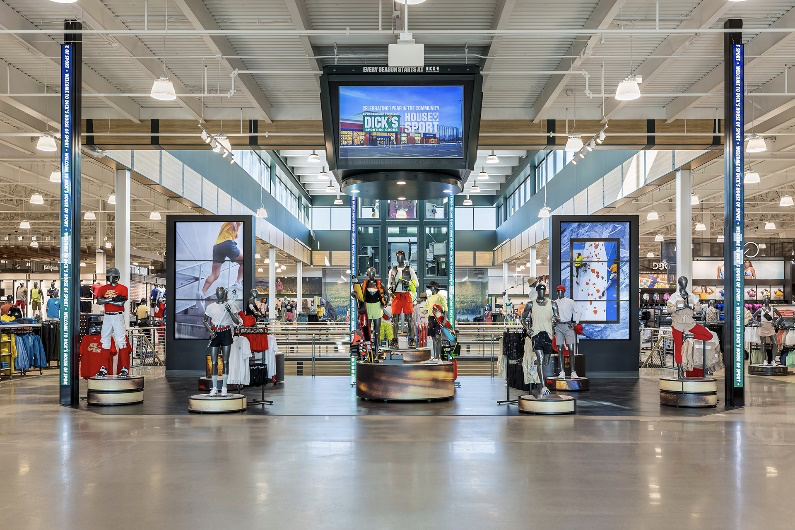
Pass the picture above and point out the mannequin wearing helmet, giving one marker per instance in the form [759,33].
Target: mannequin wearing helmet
[219,318]
[113,295]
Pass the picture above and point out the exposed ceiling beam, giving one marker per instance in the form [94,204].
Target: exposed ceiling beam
[99,17]
[45,109]
[201,18]
[502,17]
[761,45]
[601,18]
[46,48]
[300,18]
[703,16]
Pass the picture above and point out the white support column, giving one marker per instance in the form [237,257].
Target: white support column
[299,289]
[272,283]
[684,225]
[505,282]
[532,270]
[102,265]
[122,243]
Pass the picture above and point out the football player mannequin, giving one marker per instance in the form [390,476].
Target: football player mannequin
[400,276]
[566,315]
[113,296]
[374,300]
[219,317]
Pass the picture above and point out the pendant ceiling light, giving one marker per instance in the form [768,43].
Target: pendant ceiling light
[154,216]
[786,200]
[628,89]
[112,198]
[36,198]
[90,216]
[650,255]
[694,200]
[756,144]
[24,225]
[659,238]
[330,188]
[55,176]
[752,177]
[34,244]
[82,263]
[314,158]
[467,201]
[770,225]
[701,227]
[75,1]
[338,201]
[474,189]
[483,175]
[492,159]
[545,212]
[108,245]
[720,238]
[574,143]
[415,2]
[224,141]
[259,269]
[163,89]
[652,216]
[262,213]
[46,143]
[257,256]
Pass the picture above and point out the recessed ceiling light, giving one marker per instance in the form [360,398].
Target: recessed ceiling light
[447,191]
[401,182]
[353,192]
[401,198]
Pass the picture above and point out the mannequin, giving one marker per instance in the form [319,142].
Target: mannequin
[434,330]
[567,315]
[219,318]
[682,307]
[113,296]
[35,299]
[52,292]
[253,307]
[375,301]
[539,356]
[400,276]
[770,319]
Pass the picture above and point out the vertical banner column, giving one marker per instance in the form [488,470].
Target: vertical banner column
[353,311]
[733,213]
[71,91]
[451,260]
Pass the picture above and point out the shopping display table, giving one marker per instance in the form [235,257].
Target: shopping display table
[553,404]
[767,369]
[206,404]
[568,384]
[405,381]
[409,355]
[112,390]
[690,392]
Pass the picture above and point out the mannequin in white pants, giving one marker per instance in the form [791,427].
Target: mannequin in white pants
[113,296]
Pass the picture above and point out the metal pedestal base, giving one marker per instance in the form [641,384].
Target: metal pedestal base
[112,390]
[550,405]
[690,392]
[576,384]
[761,369]
[203,403]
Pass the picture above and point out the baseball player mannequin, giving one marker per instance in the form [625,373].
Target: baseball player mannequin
[567,315]
[400,276]
[113,296]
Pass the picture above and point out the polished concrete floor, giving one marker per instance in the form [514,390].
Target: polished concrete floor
[645,467]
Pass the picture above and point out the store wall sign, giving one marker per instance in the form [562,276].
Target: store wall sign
[738,216]
[659,266]
[67,217]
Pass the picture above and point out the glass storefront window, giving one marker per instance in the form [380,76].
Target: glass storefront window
[435,251]
[368,249]
[402,238]
[436,209]
[369,209]
[401,209]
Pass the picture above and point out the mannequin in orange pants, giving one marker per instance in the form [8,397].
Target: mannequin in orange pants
[681,308]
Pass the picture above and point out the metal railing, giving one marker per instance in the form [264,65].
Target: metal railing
[148,345]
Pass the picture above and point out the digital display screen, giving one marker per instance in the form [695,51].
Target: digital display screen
[208,255]
[595,263]
[401,122]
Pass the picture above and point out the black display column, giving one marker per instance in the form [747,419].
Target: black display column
[734,213]
[71,92]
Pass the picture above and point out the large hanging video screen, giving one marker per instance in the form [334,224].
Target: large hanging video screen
[208,255]
[401,122]
[595,264]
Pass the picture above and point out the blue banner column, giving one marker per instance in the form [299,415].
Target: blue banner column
[734,213]
[451,260]
[353,311]
[71,92]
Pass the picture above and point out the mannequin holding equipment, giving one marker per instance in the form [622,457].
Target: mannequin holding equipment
[375,301]
[253,306]
[566,315]
[219,317]
[682,307]
[400,276]
[770,319]
[113,296]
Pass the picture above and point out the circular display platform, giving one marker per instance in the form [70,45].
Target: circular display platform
[690,392]
[410,355]
[552,404]
[761,369]
[206,404]
[405,382]
[112,390]
[575,384]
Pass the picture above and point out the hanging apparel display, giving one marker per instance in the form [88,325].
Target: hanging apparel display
[30,352]
[238,362]
[542,317]
[50,335]
[54,308]
[682,322]
[92,357]
[529,362]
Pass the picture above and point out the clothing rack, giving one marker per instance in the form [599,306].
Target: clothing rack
[257,330]
[19,329]
[506,345]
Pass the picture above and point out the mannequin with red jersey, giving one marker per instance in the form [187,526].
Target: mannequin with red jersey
[113,296]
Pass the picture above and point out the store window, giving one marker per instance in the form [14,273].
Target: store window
[436,209]
[401,209]
[368,249]
[402,238]
[435,251]
[369,209]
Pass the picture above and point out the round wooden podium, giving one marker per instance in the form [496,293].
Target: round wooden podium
[550,405]
[767,369]
[111,390]
[405,382]
[569,384]
[206,404]
[409,355]
[690,392]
